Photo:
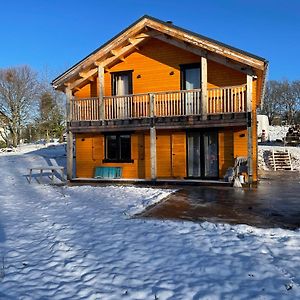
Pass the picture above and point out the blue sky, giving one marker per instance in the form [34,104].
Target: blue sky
[53,35]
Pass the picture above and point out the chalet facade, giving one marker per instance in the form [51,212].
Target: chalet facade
[161,102]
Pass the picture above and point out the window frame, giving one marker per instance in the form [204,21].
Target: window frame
[118,159]
[113,81]
[183,68]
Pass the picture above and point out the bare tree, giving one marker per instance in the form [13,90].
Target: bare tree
[282,99]
[4,132]
[296,95]
[272,105]
[288,101]
[18,93]
[52,118]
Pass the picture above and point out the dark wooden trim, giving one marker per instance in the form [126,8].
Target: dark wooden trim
[128,161]
[186,122]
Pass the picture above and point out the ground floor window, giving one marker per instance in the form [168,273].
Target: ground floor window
[117,148]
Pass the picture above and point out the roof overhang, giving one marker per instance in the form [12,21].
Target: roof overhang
[148,27]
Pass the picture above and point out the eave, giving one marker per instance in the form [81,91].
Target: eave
[148,27]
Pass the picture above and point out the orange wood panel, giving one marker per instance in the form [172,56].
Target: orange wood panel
[90,154]
[219,75]
[155,61]
[163,155]
[226,159]
[179,154]
[84,92]
[171,153]
[241,147]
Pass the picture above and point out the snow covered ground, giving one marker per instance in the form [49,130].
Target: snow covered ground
[264,151]
[81,243]
[277,132]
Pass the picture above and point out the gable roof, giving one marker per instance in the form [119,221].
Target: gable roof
[149,27]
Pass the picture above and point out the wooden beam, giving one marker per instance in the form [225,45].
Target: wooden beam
[79,81]
[197,51]
[206,44]
[249,129]
[114,52]
[98,55]
[120,54]
[70,155]
[204,87]
[69,96]
[101,91]
[153,153]
[151,104]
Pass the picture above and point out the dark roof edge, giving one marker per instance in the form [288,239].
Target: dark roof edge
[169,25]
[207,38]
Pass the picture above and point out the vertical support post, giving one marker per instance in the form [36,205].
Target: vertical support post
[153,152]
[204,87]
[69,136]
[69,155]
[152,104]
[101,91]
[69,96]
[152,137]
[249,129]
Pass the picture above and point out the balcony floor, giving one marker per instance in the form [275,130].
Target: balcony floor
[182,122]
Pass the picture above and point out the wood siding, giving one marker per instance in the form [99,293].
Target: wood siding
[160,71]
[155,68]
[170,155]
[226,158]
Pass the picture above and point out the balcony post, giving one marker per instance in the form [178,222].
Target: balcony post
[69,96]
[249,129]
[101,91]
[204,87]
[69,135]
[151,104]
[152,137]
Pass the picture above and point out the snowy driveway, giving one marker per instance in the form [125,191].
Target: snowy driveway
[80,243]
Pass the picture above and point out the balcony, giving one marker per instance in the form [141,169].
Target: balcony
[164,107]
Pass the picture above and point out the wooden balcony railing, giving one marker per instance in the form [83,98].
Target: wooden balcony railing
[230,99]
[159,104]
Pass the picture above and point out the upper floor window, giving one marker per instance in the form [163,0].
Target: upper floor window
[121,83]
[190,76]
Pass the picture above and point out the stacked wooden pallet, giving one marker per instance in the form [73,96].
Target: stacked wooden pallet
[281,160]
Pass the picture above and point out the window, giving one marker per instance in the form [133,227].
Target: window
[118,148]
[190,80]
[190,76]
[122,83]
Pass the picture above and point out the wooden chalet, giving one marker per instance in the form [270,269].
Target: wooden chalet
[161,102]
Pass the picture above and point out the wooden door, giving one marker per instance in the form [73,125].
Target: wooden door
[178,140]
[163,155]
